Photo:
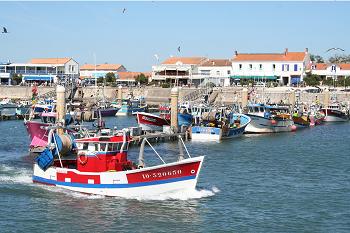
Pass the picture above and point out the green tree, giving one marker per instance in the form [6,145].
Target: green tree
[328,81]
[141,78]
[110,77]
[316,58]
[17,78]
[312,79]
[100,80]
[343,81]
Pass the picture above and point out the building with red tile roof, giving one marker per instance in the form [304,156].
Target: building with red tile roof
[92,72]
[326,70]
[287,68]
[216,71]
[44,69]
[129,77]
[178,70]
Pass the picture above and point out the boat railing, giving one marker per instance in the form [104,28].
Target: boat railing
[141,160]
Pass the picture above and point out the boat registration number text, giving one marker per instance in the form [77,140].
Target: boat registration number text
[161,174]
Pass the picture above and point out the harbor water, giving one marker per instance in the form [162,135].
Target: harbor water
[287,182]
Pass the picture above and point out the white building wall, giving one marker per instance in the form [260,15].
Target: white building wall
[329,73]
[219,75]
[266,69]
[71,67]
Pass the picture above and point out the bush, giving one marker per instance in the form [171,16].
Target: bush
[141,78]
[312,80]
[165,85]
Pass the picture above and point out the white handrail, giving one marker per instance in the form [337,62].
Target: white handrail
[183,143]
[154,150]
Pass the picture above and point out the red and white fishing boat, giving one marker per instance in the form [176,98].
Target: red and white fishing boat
[150,122]
[335,113]
[101,166]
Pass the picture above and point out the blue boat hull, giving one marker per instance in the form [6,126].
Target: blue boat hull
[184,119]
[215,133]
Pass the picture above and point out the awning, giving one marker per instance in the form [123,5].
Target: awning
[38,78]
[254,77]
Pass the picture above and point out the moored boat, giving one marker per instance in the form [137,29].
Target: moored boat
[301,120]
[335,113]
[150,122]
[214,127]
[130,106]
[269,119]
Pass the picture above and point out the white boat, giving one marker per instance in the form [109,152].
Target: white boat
[101,166]
[150,122]
[269,119]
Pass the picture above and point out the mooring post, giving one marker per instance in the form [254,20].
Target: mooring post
[292,98]
[174,109]
[61,107]
[244,98]
[120,94]
[326,99]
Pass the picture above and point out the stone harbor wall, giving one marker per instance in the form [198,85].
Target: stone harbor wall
[158,95]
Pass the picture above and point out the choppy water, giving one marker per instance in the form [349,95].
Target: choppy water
[290,182]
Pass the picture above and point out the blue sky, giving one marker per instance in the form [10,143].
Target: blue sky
[212,29]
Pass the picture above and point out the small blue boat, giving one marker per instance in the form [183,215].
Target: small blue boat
[215,126]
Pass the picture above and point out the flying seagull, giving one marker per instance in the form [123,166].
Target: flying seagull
[335,49]
[124,10]
[4,30]
[179,49]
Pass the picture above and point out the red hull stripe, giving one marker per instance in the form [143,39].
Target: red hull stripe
[151,120]
[80,185]
[78,178]
[175,171]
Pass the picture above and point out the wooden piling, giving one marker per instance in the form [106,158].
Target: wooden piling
[174,109]
[61,106]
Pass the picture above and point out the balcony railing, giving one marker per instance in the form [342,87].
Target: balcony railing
[53,72]
[163,77]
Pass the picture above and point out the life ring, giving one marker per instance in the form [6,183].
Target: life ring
[82,157]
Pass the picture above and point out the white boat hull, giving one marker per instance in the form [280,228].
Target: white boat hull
[147,127]
[263,125]
[151,181]
[334,119]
